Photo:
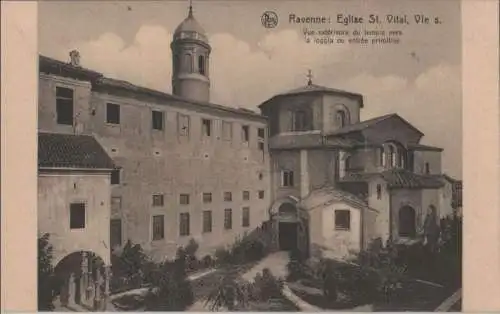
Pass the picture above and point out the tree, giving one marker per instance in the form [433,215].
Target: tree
[45,274]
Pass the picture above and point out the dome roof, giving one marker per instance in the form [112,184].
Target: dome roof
[190,28]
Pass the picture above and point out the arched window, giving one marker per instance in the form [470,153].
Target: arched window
[407,222]
[347,163]
[392,155]
[201,65]
[187,63]
[379,191]
[402,158]
[382,156]
[340,118]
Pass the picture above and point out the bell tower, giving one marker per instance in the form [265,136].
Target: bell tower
[190,60]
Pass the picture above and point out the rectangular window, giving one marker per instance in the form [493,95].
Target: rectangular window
[158,227]
[261,194]
[77,216]
[287,178]
[116,203]
[245,217]
[207,197]
[245,133]
[64,105]
[184,199]
[115,232]
[228,196]
[113,113]
[183,125]
[207,221]
[299,121]
[158,200]
[184,224]
[206,127]
[246,195]
[115,176]
[261,133]
[342,219]
[228,218]
[157,120]
[227,131]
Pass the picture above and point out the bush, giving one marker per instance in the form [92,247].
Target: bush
[46,278]
[223,257]
[295,266]
[229,293]
[266,286]
[130,267]
[172,290]
[208,261]
[190,251]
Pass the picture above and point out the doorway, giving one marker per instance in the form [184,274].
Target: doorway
[287,236]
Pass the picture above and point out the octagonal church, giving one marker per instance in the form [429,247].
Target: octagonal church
[120,162]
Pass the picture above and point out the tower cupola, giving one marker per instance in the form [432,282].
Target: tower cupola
[190,60]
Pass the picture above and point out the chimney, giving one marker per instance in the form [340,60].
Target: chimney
[74,58]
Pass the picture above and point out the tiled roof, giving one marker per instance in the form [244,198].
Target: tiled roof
[362,125]
[309,140]
[405,179]
[398,179]
[313,88]
[424,147]
[71,151]
[328,195]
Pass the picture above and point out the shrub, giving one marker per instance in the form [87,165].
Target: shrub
[229,293]
[208,261]
[295,266]
[46,280]
[223,256]
[190,251]
[266,286]
[172,290]
[128,267]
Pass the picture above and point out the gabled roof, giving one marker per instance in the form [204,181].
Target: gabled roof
[70,151]
[399,179]
[329,195]
[313,88]
[422,147]
[363,125]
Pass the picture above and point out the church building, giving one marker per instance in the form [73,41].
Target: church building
[181,167]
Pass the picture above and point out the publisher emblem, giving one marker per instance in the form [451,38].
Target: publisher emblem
[269,19]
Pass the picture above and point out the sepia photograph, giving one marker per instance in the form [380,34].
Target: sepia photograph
[249,156]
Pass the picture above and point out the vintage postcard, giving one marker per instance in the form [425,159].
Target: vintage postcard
[249,156]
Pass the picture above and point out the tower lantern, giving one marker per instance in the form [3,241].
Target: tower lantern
[190,60]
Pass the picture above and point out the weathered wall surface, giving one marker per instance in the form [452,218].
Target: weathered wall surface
[164,162]
[382,205]
[423,157]
[339,243]
[56,191]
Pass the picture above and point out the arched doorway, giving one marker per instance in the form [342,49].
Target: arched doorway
[81,278]
[407,222]
[288,227]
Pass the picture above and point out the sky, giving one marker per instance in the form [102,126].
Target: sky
[419,78]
